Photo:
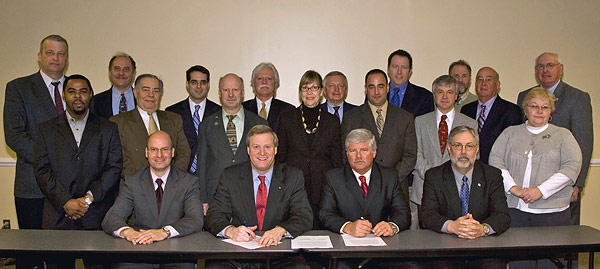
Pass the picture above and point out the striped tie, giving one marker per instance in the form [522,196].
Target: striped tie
[464,196]
[481,119]
[231,135]
[380,122]
[196,119]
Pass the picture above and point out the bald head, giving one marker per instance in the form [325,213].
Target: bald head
[231,93]
[159,152]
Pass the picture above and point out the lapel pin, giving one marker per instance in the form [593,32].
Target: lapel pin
[478,184]
[546,136]
[280,187]
[216,123]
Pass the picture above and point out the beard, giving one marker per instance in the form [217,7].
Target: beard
[462,163]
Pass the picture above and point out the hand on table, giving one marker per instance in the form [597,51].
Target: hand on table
[271,237]
[358,228]
[241,233]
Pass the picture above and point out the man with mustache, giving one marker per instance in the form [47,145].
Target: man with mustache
[119,98]
[464,196]
[264,82]
[461,71]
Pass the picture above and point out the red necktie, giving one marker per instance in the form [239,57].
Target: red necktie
[57,99]
[363,185]
[159,193]
[443,133]
[261,201]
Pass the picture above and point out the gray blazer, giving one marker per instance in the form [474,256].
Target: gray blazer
[214,151]
[27,103]
[574,112]
[181,207]
[428,147]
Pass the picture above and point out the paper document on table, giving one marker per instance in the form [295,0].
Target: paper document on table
[252,244]
[369,240]
[311,241]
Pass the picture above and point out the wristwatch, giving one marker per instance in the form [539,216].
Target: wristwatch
[486,229]
[164,228]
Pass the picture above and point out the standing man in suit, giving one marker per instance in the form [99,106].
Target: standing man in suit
[394,128]
[77,162]
[195,108]
[165,199]
[137,125]
[432,136]
[265,81]
[465,196]
[461,71]
[336,91]
[573,111]
[412,98]
[119,98]
[222,136]
[276,191]
[492,113]
[28,102]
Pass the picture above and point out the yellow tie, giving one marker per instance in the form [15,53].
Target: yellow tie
[152,128]
[263,112]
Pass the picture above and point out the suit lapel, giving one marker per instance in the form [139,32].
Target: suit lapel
[171,188]
[558,93]
[451,191]
[41,90]
[90,131]
[218,132]
[275,196]
[353,187]
[493,115]
[149,193]
[273,112]
[476,193]
[246,191]
[367,117]
[65,131]
[432,130]
[374,188]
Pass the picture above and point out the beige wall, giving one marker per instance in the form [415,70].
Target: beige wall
[167,37]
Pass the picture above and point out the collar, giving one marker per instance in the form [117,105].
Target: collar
[488,104]
[553,88]
[71,119]
[116,91]
[450,114]
[367,175]
[268,176]
[48,80]
[163,178]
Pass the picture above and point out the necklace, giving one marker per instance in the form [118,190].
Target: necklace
[313,130]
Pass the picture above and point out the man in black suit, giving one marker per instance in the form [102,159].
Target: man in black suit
[412,98]
[335,84]
[195,108]
[119,98]
[394,128]
[260,196]
[464,196]
[28,102]
[492,113]
[265,81]
[77,162]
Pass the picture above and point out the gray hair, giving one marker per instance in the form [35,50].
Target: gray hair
[335,73]
[445,80]
[551,53]
[261,129]
[463,128]
[142,76]
[460,62]
[359,136]
[259,67]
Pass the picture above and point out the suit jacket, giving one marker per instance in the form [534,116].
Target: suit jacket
[417,100]
[134,139]
[502,114]
[397,146]
[345,106]
[65,171]
[27,103]
[428,147]
[101,104]
[441,202]
[574,112]
[214,151]
[342,199]
[287,205]
[324,152]
[183,109]
[277,107]
[181,207]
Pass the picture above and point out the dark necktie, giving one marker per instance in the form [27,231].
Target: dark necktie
[464,196]
[196,120]
[396,97]
[337,112]
[159,193]
[122,104]
[481,119]
[363,185]
[231,134]
[261,201]
[443,133]
[57,99]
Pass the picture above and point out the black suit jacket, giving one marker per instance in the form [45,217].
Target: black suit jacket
[65,171]
[287,205]
[183,109]
[101,104]
[27,103]
[417,100]
[441,202]
[346,107]
[342,199]
[277,107]
[323,154]
[502,114]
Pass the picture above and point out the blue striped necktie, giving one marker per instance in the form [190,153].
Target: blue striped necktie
[464,196]
[196,119]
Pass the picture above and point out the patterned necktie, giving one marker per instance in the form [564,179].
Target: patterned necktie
[464,196]
[481,119]
[231,134]
[57,99]
[152,127]
[263,112]
[363,185]
[261,201]
[396,97]
[122,104]
[380,122]
[443,133]
[159,193]
[337,112]
[196,120]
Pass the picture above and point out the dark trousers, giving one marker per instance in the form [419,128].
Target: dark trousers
[29,216]
[575,208]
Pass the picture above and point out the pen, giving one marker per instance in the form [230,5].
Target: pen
[363,218]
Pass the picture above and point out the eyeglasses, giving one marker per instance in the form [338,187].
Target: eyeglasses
[548,66]
[162,150]
[537,108]
[459,147]
[311,88]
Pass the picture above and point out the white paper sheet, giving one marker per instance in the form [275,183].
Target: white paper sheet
[369,240]
[252,244]
[312,241]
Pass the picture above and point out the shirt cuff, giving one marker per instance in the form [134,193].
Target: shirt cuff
[491,229]
[222,232]
[396,229]
[342,229]
[508,181]
[444,230]
[117,233]
[174,232]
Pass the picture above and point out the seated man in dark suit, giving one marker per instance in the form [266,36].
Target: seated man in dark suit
[166,201]
[465,196]
[335,84]
[195,108]
[119,98]
[282,207]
